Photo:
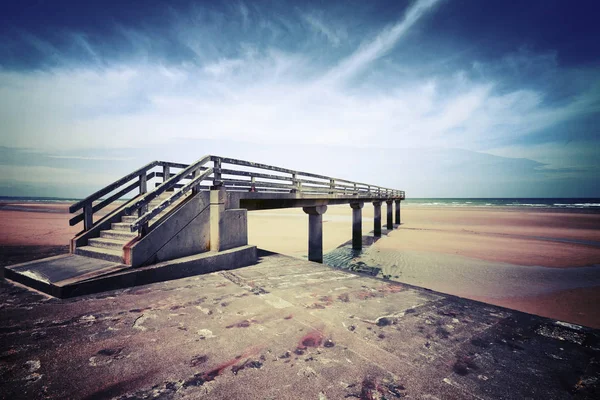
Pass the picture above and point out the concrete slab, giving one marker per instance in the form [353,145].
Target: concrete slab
[286,329]
[73,275]
[49,275]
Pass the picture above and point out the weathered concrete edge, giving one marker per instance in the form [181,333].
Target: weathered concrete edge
[169,270]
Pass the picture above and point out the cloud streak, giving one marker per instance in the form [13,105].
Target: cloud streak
[378,47]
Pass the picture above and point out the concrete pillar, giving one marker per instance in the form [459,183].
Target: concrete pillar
[357,225]
[315,232]
[397,211]
[390,221]
[377,218]
[217,208]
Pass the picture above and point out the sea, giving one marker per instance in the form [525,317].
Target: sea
[507,202]
[553,203]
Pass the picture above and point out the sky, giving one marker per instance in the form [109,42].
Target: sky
[440,98]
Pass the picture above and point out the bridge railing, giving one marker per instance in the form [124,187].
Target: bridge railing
[239,175]
[118,190]
[285,180]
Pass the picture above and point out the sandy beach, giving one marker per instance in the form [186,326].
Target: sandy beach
[544,262]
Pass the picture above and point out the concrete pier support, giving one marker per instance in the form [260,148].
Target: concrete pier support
[389,209]
[397,211]
[217,208]
[315,232]
[377,218]
[357,225]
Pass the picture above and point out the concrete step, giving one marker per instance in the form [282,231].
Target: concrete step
[121,226]
[129,219]
[100,253]
[118,235]
[105,243]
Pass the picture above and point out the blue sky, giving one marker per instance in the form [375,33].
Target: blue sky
[443,98]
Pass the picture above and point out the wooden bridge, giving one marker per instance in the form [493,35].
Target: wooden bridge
[193,220]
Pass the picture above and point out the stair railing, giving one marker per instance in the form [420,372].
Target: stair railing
[89,208]
[138,179]
[196,171]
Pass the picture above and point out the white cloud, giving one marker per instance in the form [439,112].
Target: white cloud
[276,96]
[334,36]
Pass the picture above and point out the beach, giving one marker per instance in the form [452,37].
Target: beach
[541,261]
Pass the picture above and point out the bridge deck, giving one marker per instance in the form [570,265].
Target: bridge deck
[265,201]
[286,329]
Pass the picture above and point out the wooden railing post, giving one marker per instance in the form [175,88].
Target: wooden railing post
[143,209]
[196,188]
[166,173]
[143,183]
[143,190]
[217,182]
[295,183]
[88,217]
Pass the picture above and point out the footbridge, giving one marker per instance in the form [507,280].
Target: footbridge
[170,220]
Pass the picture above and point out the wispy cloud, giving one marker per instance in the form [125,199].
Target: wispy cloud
[318,25]
[383,43]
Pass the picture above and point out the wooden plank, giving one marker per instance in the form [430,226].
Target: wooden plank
[225,171]
[234,182]
[173,164]
[88,216]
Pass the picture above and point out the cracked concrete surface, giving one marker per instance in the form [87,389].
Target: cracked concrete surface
[286,329]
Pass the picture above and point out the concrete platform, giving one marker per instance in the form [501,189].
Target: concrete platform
[286,329]
[74,275]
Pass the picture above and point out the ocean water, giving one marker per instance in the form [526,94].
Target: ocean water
[556,203]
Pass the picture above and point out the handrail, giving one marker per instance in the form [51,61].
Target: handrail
[168,184]
[225,160]
[89,208]
[140,222]
[109,188]
[287,181]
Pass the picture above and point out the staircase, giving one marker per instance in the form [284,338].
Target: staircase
[109,246]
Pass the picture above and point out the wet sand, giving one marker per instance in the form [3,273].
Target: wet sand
[535,261]
[544,262]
